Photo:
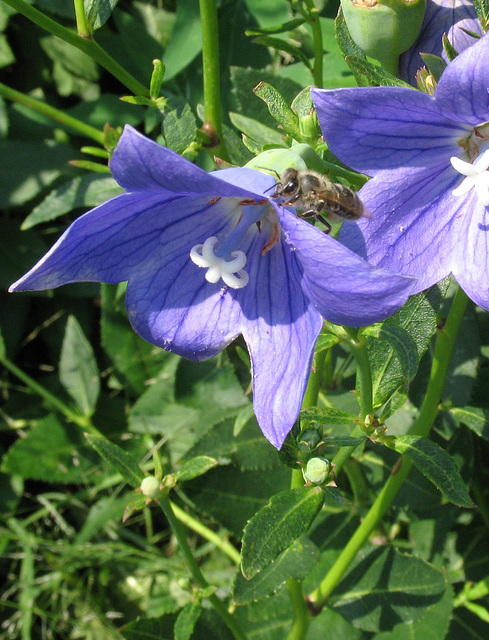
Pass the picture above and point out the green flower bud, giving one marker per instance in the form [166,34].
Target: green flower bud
[317,470]
[384,28]
[150,487]
[308,440]
[276,161]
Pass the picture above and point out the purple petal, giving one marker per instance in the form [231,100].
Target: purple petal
[376,128]
[126,234]
[342,286]
[424,242]
[280,327]
[462,91]
[441,16]
[139,164]
[471,264]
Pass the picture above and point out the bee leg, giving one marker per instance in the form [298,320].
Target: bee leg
[292,200]
[314,213]
[325,222]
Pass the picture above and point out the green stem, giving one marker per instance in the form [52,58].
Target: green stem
[211,72]
[81,19]
[196,572]
[358,348]
[445,342]
[300,610]
[51,112]
[206,533]
[88,46]
[53,401]
[317,34]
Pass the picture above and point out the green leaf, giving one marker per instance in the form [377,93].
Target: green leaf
[475,418]
[248,450]
[436,464]
[186,39]
[418,317]
[287,516]
[283,45]
[194,468]
[256,130]
[433,623]
[179,128]
[134,359]
[385,588]
[435,64]
[290,25]
[83,191]
[326,341]
[98,12]
[232,496]
[295,562]
[125,464]
[78,371]
[186,621]
[279,109]
[327,415]
[31,167]
[402,343]
[51,452]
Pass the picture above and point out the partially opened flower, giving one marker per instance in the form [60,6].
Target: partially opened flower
[208,257]
[455,18]
[428,158]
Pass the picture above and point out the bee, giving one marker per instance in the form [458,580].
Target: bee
[313,192]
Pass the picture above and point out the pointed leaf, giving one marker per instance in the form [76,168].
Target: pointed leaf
[402,343]
[326,415]
[386,588]
[78,371]
[288,515]
[475,418]
[295,562]
[194,468]
[279,109]
[125,464]
[436,464]
[186,620]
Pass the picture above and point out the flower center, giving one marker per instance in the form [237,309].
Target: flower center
[476,176]
[231,272]
[227,262]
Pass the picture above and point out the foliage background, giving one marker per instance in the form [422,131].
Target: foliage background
[71,568]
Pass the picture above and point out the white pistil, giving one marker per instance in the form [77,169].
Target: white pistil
[231,272]
[477,177]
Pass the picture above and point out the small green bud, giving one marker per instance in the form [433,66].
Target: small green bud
[317,470]
[384,28]
[150,487]
[308,440]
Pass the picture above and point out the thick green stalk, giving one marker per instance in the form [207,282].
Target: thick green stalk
[211,71]
[87,45]
[81,19]
[195,570]
[317,35]
[51,112]
[444,345]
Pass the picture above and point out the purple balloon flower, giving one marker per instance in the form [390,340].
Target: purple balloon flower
[208,257]
[428,156]
[451,17]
